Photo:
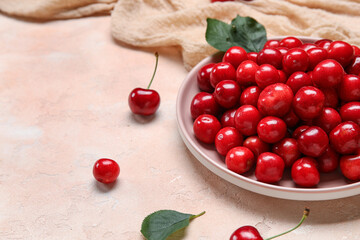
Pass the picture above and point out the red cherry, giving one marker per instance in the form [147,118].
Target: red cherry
[328,161]
[345,137]
[298,80]
[266,75]
[206,127]
[298,131]
[288,150]
[272,44]
[256,145]
[226,139]
[350,167]
[305,173]
[222,71]
[245,73]
[308,102]
[247,118]
[271,129]
[275,100]
[331,97]
[269,167]
[295,60]
[328,119]
[290,42]
[203,78]
[341,51]
[246,233]
[228,118]
[250,96]
[313,142]
[252,56]
[235,55]
[203,102]
[106,170]
[327,73]
[323,43]
[145,101]
[291,119]
[227,93]
[283,50]
[282,76]
[239,159]
[308,46]
[356,50]
[351,112]
[350,88]
[270,56]
[354,66]
[316,55]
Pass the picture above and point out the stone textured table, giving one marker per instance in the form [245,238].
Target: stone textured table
[63,104]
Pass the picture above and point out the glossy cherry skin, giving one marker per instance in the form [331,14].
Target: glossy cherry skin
[345,138]
[271,129]
[252,56]
[291,119]
[275,100]
[313,142]
[256,145]
[308,102]
[235,55]
[272,44]
[341,51]
[144,101]
[246,233]
[350,167]
[282,76]
[204,102]
[266,75]
[327,74]
[356,50]
[308,46]
[290,42]
[295,60]
[227,93]
[328,119]
[239,159]
[222,71]
[269,167]
[328,161]
[316,55]
[331,97]
[245,73]
[354,66]
[351,112]
[228,118]
[298,80]
[250,96]
[305,173]
[247,118]
[288,150]
[299,130]
[226,139]
[206,127]
[203,78]
[270,56]
[323,43]
[350,88]
[106,170]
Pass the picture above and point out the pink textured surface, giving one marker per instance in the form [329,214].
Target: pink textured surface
[63,104]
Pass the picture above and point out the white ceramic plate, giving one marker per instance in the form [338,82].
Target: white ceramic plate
[331,186]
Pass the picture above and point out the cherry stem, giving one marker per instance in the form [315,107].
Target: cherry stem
[156,64]
[195,216]
[306,213]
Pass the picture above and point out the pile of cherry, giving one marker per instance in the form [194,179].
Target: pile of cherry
[291,105]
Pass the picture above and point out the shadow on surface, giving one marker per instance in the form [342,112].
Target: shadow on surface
[104,188]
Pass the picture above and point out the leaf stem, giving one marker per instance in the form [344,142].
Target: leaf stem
[306,213]
[195,216]
[156,64]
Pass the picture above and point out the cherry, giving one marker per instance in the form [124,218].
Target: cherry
[327,73]
[256,145]
[308,102]
[206,127]
[106,170]
[203,102]
[308,46]
[328,161]
[331,97]
[252,56]
[227,93]
[145,101]
[356,50]
[350,88]
[291,119]
[298,80]
[250,96]
[328,119]
[235,55]
[270,56]
[350,166]
[288,150]
[283,50]
[323,43]
[272,44]
[341,51]
[239,159]
[271,129]
[345,137]
[269,167]
[313,142]
[226,139]
[351,112]
[245,73]
[295,60]
[228,118]
[247,118]
[354,66]
[222,71]
[282,76]
[290,42]
[304,172]
[266,75]
[275,100]
[298,131]
[203,78]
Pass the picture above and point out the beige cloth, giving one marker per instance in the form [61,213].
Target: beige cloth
[155,23]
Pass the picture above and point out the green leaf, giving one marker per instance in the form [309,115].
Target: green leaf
[245,32]
[161,224]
